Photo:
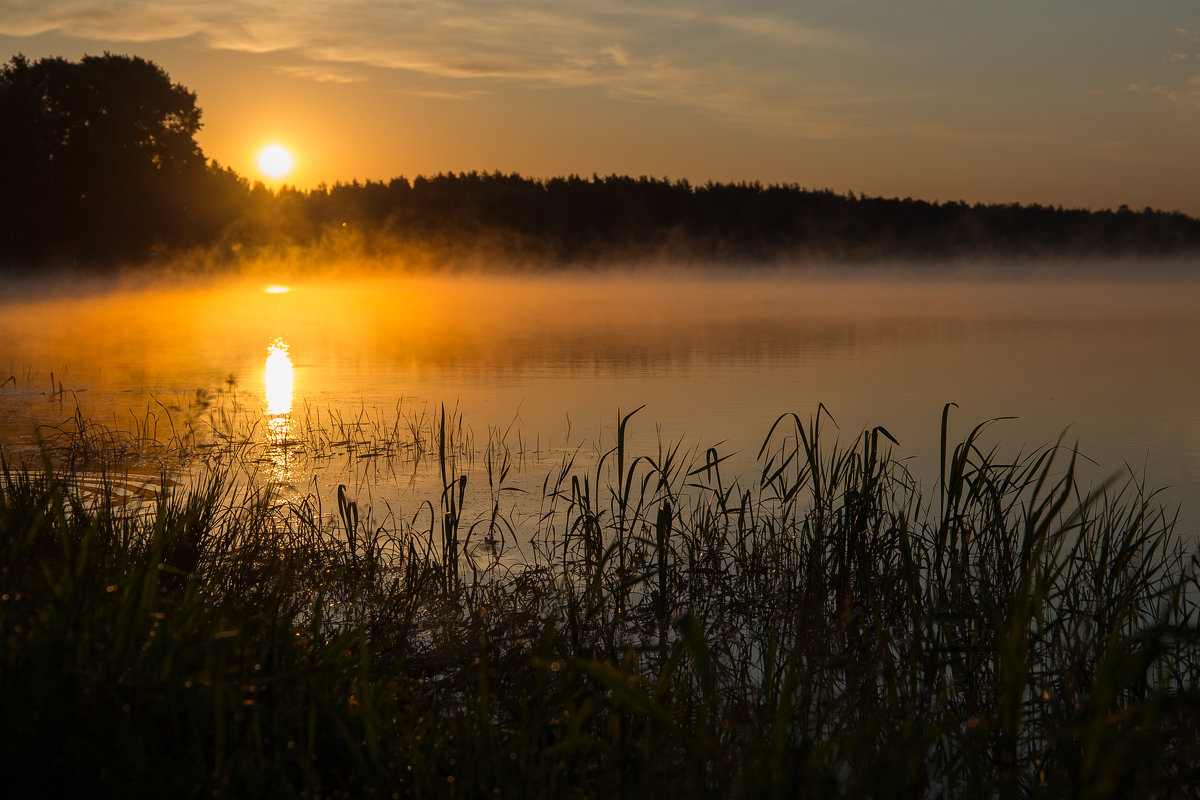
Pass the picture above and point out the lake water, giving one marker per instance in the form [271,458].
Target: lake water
[547,363]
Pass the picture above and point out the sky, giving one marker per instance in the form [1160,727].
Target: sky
[1080,103]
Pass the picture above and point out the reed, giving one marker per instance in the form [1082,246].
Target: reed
[819,629]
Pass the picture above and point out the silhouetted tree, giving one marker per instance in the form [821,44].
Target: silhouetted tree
[99,161]
[99,158]
[579,221]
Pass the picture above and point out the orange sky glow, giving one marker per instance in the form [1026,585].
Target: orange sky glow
[1076,104]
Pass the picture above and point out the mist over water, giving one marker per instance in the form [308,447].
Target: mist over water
[714,359]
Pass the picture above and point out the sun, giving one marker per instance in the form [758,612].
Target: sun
[275,161]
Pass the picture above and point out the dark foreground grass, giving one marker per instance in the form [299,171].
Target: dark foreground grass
[819,631]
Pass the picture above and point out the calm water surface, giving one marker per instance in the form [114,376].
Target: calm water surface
[548,363]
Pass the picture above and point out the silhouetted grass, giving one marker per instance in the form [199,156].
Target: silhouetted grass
[819,630]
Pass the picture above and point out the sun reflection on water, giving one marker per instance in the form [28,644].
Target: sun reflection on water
[278,379]
[278,383]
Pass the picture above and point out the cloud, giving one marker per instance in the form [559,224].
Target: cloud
[620,55]
[90,19]
[1188,95]
[570,41]
[442,95]
[770,70]
[321,74]
[1120,150]
[781,31]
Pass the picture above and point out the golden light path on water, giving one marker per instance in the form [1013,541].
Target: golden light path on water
[278,385]
[278,379]
[714,360]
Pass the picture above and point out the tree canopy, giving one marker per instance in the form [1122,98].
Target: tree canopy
[101,164]
[99,157]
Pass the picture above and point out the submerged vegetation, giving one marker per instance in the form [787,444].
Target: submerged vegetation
[822,629]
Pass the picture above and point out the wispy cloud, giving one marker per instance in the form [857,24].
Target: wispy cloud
[620,55]
[470,94]
[104,21]
[771,70]
[571,42]
[1190,33]
[321,74]
[782,31]
[1121,151]
[1188,94]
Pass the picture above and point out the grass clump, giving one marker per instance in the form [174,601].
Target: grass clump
[820,630]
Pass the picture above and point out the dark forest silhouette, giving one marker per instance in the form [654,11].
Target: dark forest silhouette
[100,161]
[101,166]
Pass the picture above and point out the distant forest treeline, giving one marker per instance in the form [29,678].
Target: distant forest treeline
[101,166]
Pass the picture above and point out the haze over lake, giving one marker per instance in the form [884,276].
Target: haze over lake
[546,363]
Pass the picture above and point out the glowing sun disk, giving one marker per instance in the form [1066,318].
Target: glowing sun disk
[275,161]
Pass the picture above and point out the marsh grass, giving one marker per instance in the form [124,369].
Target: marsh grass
[820,629]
